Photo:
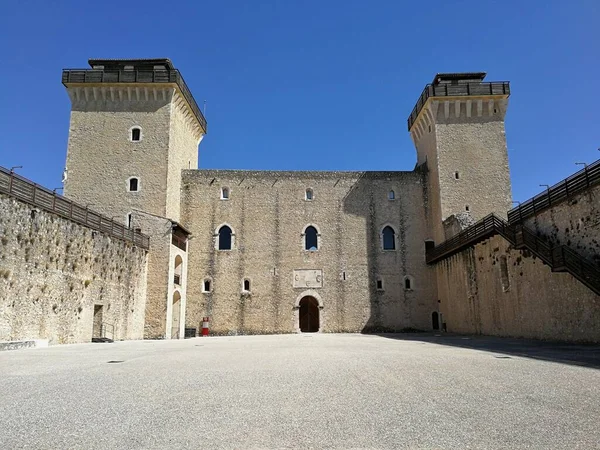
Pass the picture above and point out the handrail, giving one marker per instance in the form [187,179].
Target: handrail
[584,179]
[136,76]
[27,191]
[559,258]
[457,90]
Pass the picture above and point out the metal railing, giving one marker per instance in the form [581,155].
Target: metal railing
[578,182]
[29,192]
[457,90]
[135,76]
[560,258]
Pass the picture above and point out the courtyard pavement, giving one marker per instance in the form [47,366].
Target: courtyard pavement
[302,391]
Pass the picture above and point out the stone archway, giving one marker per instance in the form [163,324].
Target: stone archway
[308,317]
[308,320]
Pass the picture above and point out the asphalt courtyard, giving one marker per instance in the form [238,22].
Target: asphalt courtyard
[302,391]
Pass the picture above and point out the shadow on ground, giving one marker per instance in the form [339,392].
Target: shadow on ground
[587,355]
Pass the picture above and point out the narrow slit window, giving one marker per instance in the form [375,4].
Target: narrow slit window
[456,175]
[379,284]
[206,285]
[136,134]
[467,208]
[129,220]
[134,184]
[224,193]
[407,284]
[391,195]
[247,285]
[309,194]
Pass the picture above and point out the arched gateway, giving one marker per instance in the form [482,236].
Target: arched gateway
[309,315]
[307,312]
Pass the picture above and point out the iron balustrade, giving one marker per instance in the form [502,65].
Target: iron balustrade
[578,182]
[75,76]
[560,258]
[457,90]
[29,192]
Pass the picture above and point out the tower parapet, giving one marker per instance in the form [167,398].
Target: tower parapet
[457,126]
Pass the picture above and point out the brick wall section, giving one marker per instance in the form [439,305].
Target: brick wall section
[53,272]
[574,222]
[268,212]
[496,290]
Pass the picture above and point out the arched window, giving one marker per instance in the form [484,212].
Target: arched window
[224,238]
[311,239]
[224,193]
[389,238]
[391,195]
[309,194]
[136,134]
[134,184]
[246,285]
[206,285]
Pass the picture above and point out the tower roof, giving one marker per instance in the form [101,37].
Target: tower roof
[465,77]
[138,63]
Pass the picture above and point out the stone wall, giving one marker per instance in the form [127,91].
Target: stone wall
[574,222]
[54,274]
[495,289]
[268,213]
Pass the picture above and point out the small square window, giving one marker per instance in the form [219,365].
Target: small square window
[380,284]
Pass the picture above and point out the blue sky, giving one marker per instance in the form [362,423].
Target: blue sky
[319,85]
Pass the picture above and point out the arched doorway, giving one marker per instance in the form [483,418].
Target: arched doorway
[309,315]
[435,320]
[176,315]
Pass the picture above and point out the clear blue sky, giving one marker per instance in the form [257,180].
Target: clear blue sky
[323,85]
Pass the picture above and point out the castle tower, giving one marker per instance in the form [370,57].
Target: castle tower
[457,126]
[134,127]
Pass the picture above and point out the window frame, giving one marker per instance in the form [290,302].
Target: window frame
[217,236]
[223,190]
[138,128]
[138,186]
[318,236]
[306,194]
[210,285]
[382,238]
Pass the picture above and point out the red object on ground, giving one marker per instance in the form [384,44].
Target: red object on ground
[205,326]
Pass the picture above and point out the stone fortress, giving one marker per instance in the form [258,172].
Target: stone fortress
[291,251]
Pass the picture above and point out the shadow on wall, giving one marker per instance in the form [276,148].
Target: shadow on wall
[392,307]
[587,355]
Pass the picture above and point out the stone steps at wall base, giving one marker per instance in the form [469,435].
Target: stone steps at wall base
[18,345]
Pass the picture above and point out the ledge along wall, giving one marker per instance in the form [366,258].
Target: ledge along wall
[53,272]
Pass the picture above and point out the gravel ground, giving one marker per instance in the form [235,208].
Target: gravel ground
[302,391]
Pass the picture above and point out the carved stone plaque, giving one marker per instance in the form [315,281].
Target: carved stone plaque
[308,278]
